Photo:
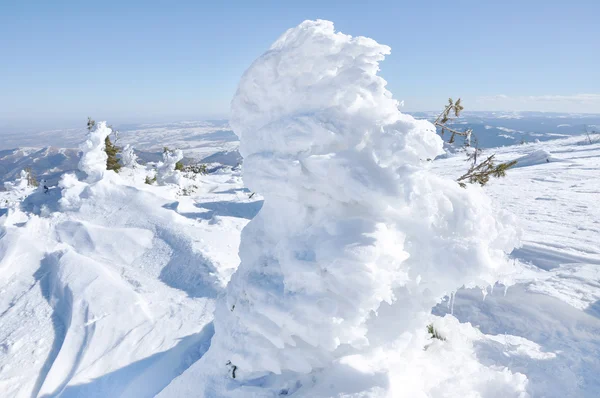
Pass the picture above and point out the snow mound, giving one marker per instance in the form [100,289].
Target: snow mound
[539,156]
[356,240]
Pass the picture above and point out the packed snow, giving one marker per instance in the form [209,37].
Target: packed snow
[352,240]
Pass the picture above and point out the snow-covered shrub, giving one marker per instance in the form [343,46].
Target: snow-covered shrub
[128,156]
[165,172]
[20,187]
[356,240]
[93,160]
[31,180]
[150,180]
[434,333]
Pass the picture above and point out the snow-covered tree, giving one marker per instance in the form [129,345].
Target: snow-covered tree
[128,156]
[94,158]
[166,172]
[20,184]
[352,221]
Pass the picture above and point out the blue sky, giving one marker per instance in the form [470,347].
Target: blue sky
[133,61]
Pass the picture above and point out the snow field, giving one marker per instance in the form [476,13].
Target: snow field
[112,287]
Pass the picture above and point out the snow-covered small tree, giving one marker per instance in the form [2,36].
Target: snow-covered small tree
[91,123]
[352,222]
[112,151]
[20,184]
[31,180]
[93,160]
[166,172]
[128,156]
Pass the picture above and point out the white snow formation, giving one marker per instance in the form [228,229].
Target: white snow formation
[128,156]
[166,173]
[356,240]
[20,184]
[93,159]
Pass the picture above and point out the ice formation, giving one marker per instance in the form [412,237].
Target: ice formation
[356,240]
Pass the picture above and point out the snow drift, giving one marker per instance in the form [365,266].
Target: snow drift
[539,156]
[356,240]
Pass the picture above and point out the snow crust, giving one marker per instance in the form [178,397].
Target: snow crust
[370,240]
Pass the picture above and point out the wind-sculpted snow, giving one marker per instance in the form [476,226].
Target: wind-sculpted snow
[356,240]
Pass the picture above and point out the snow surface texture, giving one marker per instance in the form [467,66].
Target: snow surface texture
[371,240]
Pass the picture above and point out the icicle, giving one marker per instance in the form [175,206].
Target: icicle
[484,292]
[505,290]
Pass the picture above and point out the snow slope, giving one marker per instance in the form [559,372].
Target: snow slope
[555,304]
[108,286]
[545,326]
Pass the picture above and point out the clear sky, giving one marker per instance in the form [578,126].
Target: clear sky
[133,61]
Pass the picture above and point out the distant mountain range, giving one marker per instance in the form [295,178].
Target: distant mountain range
[51,153]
